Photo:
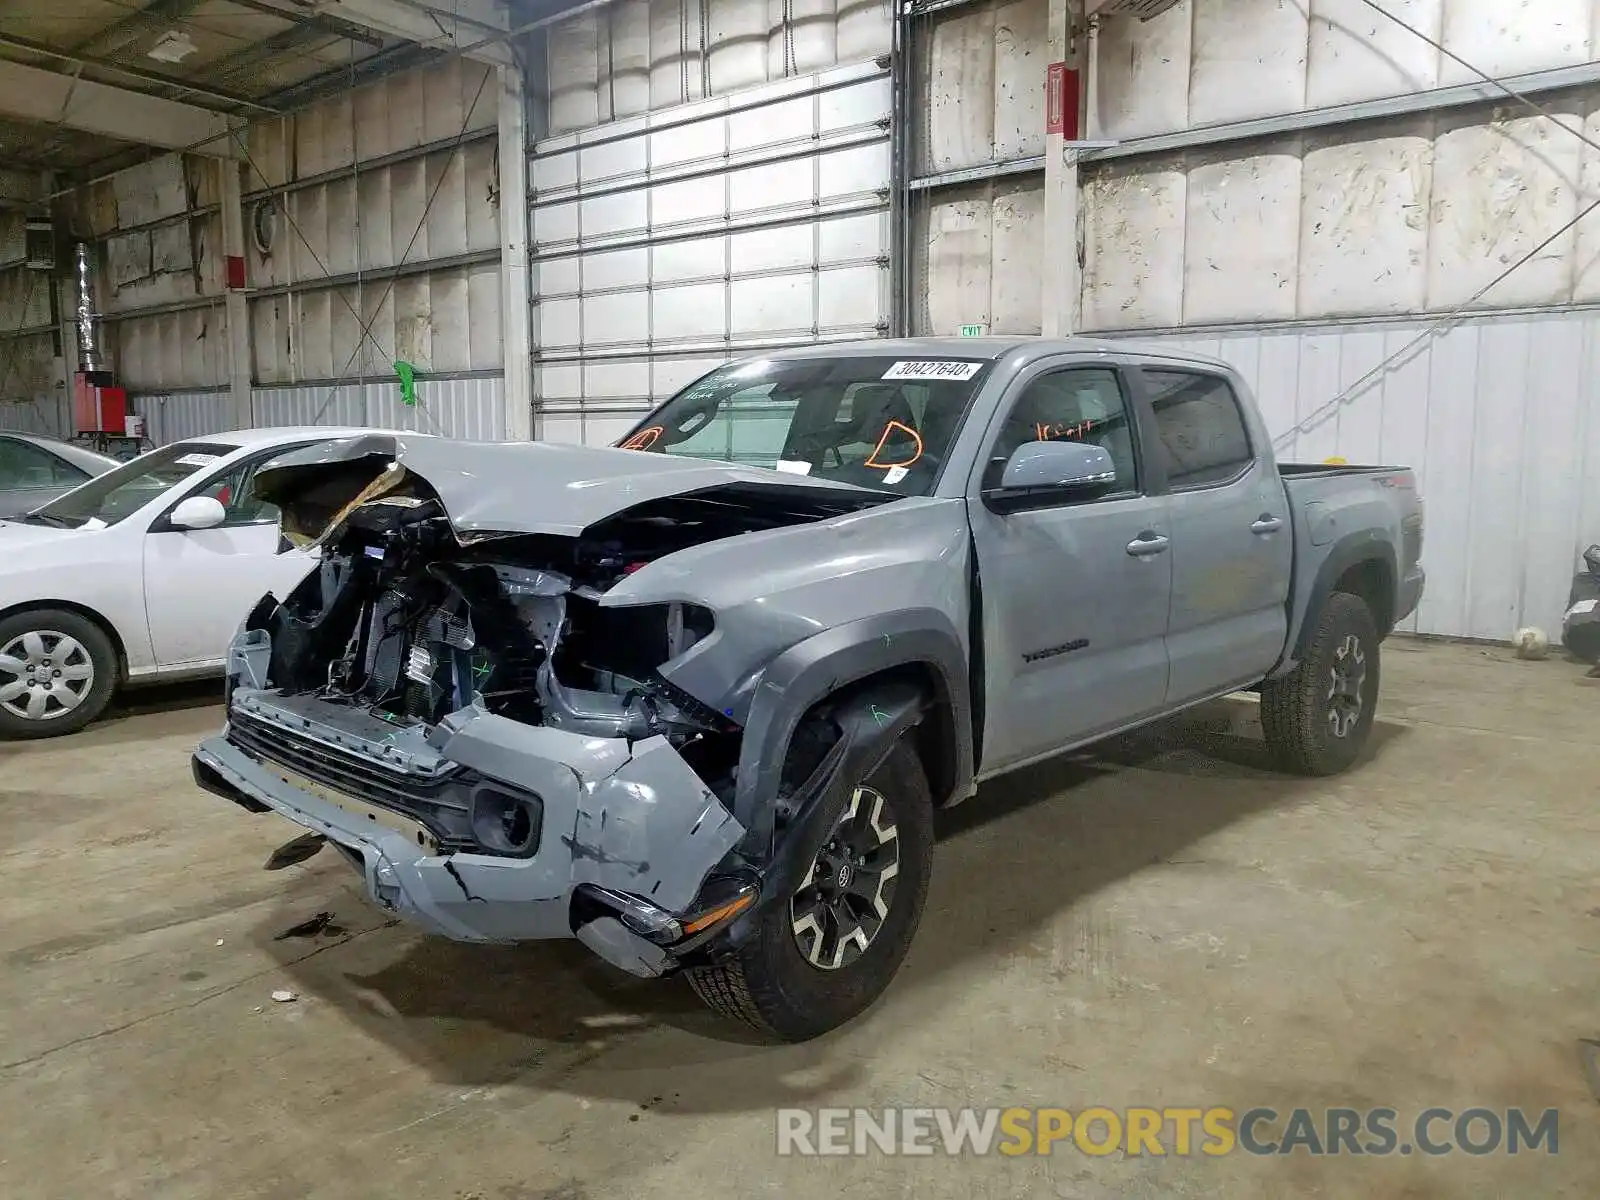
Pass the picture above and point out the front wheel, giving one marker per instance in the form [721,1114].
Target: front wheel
[1318,717]
[827,953]
[57,673]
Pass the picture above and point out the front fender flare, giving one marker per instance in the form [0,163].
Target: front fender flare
[818,667]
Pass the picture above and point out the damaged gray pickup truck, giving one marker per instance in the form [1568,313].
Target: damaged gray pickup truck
[694,699]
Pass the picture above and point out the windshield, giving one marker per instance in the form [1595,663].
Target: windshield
[119,494]
[879,422]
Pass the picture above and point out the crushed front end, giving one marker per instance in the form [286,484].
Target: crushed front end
[495,752]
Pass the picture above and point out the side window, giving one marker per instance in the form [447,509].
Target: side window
[233,492]
[1081,404]
[23,466]
[1202,435]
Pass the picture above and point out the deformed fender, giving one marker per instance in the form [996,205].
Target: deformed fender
[869,725]
[634,818]
[812,670]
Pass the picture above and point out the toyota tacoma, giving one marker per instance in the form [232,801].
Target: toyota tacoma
[693,699]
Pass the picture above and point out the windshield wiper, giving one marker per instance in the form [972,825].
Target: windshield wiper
[53,522]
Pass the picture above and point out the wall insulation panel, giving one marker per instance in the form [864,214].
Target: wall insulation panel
[349,214]
[1418,214]
[1206,61]
[981,79]
[636,56]
[29,398]
[1501,418]
[664,244]
[977,257]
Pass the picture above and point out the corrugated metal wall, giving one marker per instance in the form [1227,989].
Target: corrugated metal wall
[1501,418]
[471,408]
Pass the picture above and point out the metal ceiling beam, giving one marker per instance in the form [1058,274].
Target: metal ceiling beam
[402,57]
[473,27]
[329,25]
[152,19]
[155,79]
[252,58]
[59,100]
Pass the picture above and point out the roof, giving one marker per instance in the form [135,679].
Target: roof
[89,460]
[988,348]
[242,438]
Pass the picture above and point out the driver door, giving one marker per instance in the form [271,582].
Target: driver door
[1075,592]
[199,584]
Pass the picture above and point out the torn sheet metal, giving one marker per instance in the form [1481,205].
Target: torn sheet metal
[510,487]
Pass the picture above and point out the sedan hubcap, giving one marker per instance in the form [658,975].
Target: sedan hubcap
[44,675]
[1346,680]
[840,908]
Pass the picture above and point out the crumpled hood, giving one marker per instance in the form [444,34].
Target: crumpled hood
[508,487]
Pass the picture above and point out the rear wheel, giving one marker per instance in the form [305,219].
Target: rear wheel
[1317,718]
[57,673]
[831,950]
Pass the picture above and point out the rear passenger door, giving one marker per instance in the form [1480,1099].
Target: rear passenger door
[1232,546]
[1074,593]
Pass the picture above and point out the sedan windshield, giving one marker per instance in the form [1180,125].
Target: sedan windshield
[878,422]
[119,494]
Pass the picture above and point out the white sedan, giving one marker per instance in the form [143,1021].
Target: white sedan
[141,575]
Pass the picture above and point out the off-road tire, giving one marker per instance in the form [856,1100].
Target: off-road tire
[101,653]
[768,984]
[1296,711]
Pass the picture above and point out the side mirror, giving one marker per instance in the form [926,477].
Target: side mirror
[198,512]
[1043,471]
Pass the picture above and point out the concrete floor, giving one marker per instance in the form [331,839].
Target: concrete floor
[1174,927]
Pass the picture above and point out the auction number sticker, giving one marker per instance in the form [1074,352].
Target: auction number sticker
[935,369]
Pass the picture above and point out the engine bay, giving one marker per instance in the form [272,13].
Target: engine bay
[403,620]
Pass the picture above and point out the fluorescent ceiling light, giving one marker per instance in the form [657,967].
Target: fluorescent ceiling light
[172,47]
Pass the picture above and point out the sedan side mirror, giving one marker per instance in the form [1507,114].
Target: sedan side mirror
[198,512]
[1042,472]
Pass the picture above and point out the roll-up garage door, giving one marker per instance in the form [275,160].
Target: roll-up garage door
[667,243]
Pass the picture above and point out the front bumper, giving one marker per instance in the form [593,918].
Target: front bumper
[634,825]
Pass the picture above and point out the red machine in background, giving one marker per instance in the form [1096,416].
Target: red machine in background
[100,417]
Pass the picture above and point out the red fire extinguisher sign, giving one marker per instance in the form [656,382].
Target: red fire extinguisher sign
[1061,102]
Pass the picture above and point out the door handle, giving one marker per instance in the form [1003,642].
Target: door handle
[1266,523]
[1146,544]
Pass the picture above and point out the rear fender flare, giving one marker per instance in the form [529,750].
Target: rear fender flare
[1350,551]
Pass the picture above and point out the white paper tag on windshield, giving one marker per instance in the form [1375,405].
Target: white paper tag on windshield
[789,467]
[196,460]
[895,474]
[935,369]
[1583,606]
